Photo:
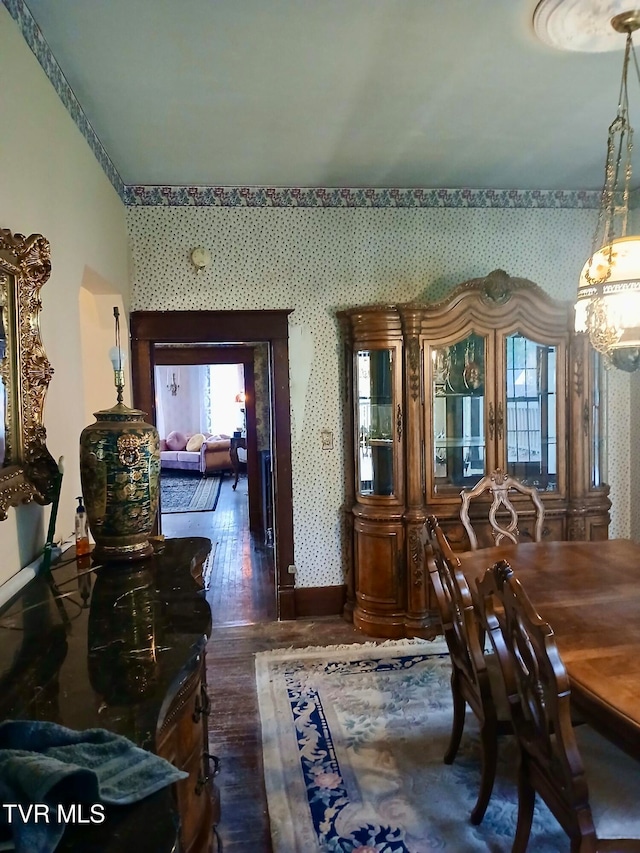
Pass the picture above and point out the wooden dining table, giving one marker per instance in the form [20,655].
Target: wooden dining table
[589,592]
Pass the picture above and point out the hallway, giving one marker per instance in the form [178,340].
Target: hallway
[241,585]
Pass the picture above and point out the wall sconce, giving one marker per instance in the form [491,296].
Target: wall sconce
[200,258]
[174,384]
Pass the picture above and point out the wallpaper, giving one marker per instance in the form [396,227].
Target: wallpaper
[634,461]
[315,261]
[261,392]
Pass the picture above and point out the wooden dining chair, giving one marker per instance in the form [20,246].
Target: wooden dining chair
[539,695]
[474,677]
[499,485]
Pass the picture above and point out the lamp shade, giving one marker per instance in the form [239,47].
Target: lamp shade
[609,310]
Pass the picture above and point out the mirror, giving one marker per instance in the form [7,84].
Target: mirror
[27,469]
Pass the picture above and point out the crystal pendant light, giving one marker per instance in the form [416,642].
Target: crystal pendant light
[608,305]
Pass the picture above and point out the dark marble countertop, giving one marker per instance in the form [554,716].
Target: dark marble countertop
[101,647]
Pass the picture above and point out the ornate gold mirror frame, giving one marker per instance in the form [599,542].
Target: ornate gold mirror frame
[27,469]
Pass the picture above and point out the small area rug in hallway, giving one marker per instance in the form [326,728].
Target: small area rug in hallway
[182,493]
[353,742]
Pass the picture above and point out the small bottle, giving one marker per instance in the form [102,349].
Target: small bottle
[82,530]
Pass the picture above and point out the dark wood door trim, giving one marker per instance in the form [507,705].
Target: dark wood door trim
[149,328]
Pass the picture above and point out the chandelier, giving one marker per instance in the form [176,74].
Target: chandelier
[608,305]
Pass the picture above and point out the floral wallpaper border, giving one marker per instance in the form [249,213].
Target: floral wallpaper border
[318,197]
[357,197]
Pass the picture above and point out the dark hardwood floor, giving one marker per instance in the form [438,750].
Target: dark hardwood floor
[242,584]
[242,598]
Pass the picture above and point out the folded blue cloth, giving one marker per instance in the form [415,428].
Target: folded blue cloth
[45,763]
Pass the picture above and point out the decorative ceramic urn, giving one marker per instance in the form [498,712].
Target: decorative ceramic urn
[120,474]
[119,471]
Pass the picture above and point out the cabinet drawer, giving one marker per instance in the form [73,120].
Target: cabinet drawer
[183,740]
[189,725]
[195,802]
[457,535]
[183,718]
[553,530]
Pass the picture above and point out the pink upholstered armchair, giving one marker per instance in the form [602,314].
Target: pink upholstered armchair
[215,454]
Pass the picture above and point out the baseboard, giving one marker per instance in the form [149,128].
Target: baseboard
[320,600]
[286,603]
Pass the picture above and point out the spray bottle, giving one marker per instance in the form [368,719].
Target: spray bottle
[81,530]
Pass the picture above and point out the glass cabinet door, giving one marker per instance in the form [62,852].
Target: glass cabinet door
[458,414]
[374,421]
[598,445]
[531,412]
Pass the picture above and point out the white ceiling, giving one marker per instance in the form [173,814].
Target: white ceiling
[308,93]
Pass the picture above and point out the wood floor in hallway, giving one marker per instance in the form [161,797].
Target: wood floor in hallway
[241,586]
[242,599]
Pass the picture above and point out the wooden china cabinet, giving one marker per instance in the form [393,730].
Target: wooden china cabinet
[441,394]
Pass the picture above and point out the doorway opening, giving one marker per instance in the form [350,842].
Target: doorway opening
[207,337]
[213,402]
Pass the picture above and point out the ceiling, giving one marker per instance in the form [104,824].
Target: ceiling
[336,93]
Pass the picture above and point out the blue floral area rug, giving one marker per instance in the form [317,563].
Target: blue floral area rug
[184,493]
[353,740]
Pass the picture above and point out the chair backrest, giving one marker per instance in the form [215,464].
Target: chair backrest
[539,696]
[499,484]
[455,605]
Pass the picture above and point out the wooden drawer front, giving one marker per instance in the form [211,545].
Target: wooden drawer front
[183,740]
[183,729]
[457,535]
[196,802]
[553,529]
[189,726]
[597,529]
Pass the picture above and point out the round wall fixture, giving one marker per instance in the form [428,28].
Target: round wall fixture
[582,25]
[200,258]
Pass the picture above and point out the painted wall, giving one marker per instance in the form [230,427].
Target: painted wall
[53,185]
[183,412]
[190,411]
[318,260]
